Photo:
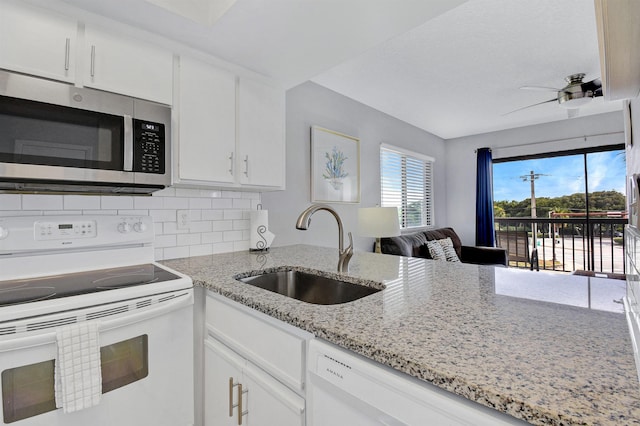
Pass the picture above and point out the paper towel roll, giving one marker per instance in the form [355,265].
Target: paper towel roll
[260,237]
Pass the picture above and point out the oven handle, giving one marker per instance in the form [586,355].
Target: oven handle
[180,301]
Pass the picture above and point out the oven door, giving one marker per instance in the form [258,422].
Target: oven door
[146,360]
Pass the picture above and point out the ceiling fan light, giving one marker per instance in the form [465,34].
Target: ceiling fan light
[573,96]
[575,102]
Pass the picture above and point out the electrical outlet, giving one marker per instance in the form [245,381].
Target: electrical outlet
[183,219]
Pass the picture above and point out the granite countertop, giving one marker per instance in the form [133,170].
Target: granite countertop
[546,348]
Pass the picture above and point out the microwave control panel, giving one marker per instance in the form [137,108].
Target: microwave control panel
[148,147]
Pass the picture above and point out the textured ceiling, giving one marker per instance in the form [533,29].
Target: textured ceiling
[289,40]
[451,72]
[459,73]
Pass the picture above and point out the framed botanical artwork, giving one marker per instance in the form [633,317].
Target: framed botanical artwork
[335,167]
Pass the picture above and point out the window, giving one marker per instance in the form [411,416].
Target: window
[569,205]
[406,182]
[580,183]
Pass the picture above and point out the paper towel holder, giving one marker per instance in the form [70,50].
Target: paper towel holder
[262,237]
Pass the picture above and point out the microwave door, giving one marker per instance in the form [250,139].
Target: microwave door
[37,133]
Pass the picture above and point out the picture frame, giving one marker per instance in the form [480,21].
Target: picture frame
[335,166]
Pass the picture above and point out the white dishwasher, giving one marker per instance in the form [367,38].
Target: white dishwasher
[347,389]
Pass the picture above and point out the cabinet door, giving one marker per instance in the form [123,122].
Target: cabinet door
[220,365]
[261,144]
[37,42]
[264,399]
[207,123]
[269,401]
[127,66]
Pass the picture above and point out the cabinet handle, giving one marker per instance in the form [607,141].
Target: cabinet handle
[246,165]
[240,412]
[231,163]
[231,385]
[93,60]
[67,48]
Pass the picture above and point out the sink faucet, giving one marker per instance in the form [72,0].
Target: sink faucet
[345,254]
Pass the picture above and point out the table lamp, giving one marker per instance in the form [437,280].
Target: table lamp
[378,222]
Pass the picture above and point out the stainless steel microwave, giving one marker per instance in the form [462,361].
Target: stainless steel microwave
[55,137]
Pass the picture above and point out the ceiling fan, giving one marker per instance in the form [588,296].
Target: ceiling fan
[572,96]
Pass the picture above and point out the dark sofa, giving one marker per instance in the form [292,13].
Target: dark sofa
[414,245]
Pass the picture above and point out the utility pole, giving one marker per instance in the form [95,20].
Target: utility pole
[531,177]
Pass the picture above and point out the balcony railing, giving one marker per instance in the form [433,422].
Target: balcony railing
[564,244]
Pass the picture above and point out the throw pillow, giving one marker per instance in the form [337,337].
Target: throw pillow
[448,250]
[435,250]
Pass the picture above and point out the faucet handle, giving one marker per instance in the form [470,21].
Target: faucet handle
[350,246]
[345,256]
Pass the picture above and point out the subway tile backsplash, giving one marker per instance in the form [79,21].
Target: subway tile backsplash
[218,220]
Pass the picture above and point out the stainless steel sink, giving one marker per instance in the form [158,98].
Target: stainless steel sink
[310,288]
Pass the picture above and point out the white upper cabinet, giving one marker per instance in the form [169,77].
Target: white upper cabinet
[261,135]
[43,43]
[206,112]
[131,67]
[230,130]
[37,42]
[618,38]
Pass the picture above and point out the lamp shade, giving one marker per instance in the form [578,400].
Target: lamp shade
[378,222]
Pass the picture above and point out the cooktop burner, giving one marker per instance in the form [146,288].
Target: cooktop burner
[55,286]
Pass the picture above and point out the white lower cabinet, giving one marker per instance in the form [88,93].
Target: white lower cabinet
[239,393]
[221,366]
[248,359]
[262,371]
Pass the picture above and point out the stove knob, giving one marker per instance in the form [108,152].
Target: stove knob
[124,227]
[4,232]
[139,227]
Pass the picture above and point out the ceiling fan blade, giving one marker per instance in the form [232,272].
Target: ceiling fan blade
[573,112]
[529,106]
[540,88]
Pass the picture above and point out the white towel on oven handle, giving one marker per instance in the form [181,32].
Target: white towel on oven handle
[78,376]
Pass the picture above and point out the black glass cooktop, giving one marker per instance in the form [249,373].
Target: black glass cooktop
[55,286]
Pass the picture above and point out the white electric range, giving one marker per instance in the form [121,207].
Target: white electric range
[62,274]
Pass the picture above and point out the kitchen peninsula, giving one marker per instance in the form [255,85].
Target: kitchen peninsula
[541,347]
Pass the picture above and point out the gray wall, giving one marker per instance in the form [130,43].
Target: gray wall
[460,165]
[310,104]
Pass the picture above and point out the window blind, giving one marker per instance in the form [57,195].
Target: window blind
[406,182]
